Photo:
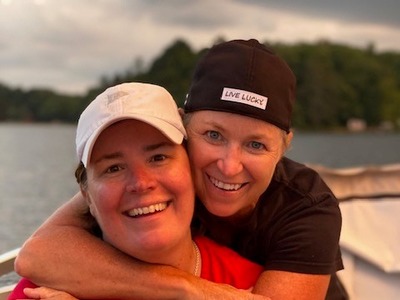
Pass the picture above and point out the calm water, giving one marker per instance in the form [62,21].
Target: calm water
[36,175]
[37,164]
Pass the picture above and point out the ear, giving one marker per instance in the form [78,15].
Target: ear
[289,138]
[287,141]
[84,193]
[181,112]
[89,201]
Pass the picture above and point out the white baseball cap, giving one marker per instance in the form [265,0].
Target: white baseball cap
[148,103]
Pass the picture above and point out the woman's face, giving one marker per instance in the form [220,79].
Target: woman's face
[140,190]
[233,159]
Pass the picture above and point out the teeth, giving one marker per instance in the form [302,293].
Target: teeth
[147,210]
[225,186]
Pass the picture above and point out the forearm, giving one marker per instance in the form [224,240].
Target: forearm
[107,273]
[92,268]
[281,285]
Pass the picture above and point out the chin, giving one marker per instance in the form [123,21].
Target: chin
[221,210]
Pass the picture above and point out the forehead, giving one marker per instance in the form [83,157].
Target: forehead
[130,131]
[227,120]
[132,126]
[131,138]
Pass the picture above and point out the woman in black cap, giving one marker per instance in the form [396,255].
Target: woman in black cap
[270,209]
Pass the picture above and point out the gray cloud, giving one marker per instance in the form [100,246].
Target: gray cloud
[70,44]
[369,11]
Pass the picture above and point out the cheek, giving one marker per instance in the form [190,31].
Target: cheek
[193,156]
[180,176]
[199,154]
[262,171]
[179,182]
[101,199]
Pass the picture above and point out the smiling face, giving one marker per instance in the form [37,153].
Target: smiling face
[233,159]
[139,189]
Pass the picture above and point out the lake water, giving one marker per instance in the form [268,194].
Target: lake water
[38,161]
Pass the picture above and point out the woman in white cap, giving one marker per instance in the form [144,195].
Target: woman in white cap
[270,209]
[140,190]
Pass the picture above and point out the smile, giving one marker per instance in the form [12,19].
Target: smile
[225,186]
[154,208]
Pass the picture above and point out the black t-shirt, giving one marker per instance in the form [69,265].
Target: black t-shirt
[294,227]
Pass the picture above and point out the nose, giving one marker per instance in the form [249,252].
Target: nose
[230,163]
[140,180]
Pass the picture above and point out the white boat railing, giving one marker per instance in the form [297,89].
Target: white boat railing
[7,266]
[369,199]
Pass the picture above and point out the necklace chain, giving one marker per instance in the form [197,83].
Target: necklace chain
[197,268]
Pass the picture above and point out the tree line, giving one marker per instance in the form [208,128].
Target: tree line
[335,83]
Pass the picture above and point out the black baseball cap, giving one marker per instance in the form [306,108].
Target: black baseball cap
[244,77]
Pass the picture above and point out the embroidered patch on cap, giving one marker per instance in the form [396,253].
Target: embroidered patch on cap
[244,97]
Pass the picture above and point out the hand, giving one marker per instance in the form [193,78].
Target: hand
[47,293]
[210,291]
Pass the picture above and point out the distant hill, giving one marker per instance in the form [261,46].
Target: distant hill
[335,83]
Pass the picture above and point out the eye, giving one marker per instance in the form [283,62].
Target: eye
[215,135]
[113,169]
[158,157]
[257,145]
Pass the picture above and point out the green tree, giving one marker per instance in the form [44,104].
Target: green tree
[334,84]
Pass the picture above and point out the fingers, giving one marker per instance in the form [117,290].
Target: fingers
[47,293]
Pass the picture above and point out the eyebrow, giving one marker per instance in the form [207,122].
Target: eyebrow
[215,124]
[153,147]
[108,157]
[146,148]
[255,136]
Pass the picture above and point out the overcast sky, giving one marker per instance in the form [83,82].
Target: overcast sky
[69,44]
